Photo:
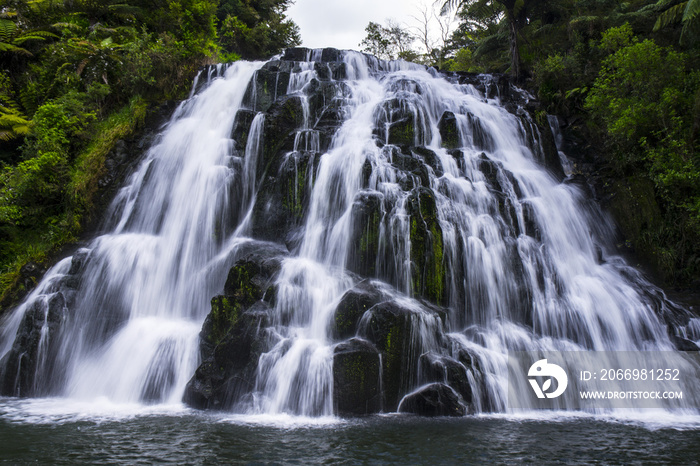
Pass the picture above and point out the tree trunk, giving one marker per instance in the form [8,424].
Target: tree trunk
[514,51]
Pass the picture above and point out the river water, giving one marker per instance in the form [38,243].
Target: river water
[48,431]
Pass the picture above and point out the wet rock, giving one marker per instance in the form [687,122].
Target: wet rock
[241,127]
[281,202]
[448,131]
[367,216]
[233,335]
[414,168]
[390,328]
[443,369]
[296,54]
[30,274]
[429,158]
[282,120]
[433,400]
[398,122]
[428,275]
[28,360]
[356,378]
[352,306]
[265,88]
[227,372]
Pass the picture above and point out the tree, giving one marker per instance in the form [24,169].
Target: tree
[515,16]
[389,42]
[255,29]
[687,13]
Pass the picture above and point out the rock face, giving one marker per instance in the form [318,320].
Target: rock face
[383,345]
[27,369]
[233,335]
[356,378]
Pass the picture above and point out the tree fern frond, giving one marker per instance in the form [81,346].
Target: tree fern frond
[692,10]
[5,47]
[670,16]
[8,30]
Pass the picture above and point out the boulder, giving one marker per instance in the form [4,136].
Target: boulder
[436,399]
[449,132]
[444,369]
[356,378]
[352,306]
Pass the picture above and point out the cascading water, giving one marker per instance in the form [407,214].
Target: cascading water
[424,200]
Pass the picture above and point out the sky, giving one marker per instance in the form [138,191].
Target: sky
[341,23]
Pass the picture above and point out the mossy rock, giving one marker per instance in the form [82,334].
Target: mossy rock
[282,120]
[367,217]
[429,158]
[352,306]
[413,167]
[265,88]
[449,133]
[356,378]
[395,122]
[241,128]
[390,328]
[228,370]
[481,138]
[282,200]
[428,272]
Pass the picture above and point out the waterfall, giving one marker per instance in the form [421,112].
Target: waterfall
[430,198]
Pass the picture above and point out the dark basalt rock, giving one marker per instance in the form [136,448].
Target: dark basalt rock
[356,378]
[227,372]
[433,400]
[19,367]
[265,88]
[352,306]
[281,202]
[426,246]
[440,368]
[233,335]
[429,158]
[392,329]
[241,127]
[448,131]
[367,216]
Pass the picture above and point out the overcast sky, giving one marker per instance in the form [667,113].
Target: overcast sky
[341,23]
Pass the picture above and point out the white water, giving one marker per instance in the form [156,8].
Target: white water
[133,335]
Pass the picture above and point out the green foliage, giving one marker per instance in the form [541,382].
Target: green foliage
[645,100]
[389,42]
[77,76]
[255,29]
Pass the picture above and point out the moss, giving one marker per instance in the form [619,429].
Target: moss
[402,132]
[448,130]
[356,378]
[428,273]
[240,286]
[223,317]
[367,217]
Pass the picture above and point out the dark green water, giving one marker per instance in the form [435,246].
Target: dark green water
[194,438]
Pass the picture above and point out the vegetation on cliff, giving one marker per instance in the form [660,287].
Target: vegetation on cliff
[78,76]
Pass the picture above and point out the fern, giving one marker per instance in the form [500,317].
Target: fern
[671,16]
